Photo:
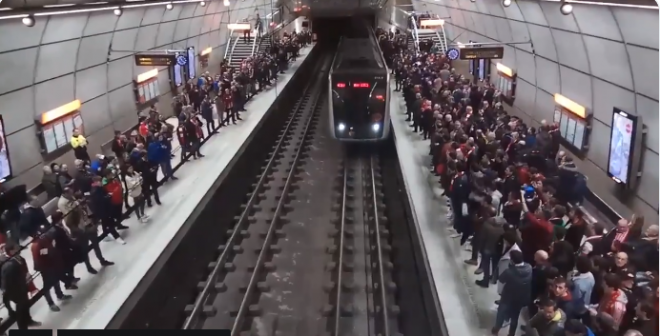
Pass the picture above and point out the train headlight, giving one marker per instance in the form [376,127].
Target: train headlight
[375,127]
[341,127]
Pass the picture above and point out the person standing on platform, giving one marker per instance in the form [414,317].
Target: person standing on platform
[103,209]
[149,178]
[207,114]
[79,145]
[13,279]
[48,261]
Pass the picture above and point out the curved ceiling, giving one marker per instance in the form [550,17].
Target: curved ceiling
[68,57]
[600,57]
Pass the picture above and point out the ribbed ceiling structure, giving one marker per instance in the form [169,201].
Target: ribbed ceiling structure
[598,56]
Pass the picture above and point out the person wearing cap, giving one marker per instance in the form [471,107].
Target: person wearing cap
[632,294]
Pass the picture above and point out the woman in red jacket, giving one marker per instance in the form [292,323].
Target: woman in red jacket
[48,261]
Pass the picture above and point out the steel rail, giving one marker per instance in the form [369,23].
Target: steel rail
[238,322]
[211,279]
[381,273]
[340,261]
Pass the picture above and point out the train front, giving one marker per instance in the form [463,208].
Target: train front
[360,107]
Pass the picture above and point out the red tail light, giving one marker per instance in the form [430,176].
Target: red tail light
[380,97]
[341,85]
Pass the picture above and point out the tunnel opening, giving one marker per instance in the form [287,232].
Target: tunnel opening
[331,29]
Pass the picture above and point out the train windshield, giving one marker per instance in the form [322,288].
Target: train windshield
[358,105]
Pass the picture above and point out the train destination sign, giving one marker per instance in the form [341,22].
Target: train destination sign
[154,59]
[470,53]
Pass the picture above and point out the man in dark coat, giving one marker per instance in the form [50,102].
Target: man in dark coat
[15,287]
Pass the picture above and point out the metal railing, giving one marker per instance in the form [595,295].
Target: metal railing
[231,54]
[415,34]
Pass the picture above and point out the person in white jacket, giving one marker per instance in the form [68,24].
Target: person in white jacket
[134,186]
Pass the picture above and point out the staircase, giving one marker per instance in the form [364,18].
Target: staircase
[264,44]
[437,36]
[241,50]
[411,42]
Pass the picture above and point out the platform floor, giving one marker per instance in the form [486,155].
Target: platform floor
[468,308]
[99,296]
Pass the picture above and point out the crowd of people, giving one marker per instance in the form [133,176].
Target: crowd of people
[513,198]
[97,193]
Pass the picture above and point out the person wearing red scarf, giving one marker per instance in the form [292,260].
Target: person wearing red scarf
[614,300]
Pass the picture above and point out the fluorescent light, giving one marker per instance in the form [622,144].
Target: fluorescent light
[76,11]
[59,5]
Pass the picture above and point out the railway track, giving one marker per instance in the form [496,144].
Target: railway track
[362,301]
[311,253]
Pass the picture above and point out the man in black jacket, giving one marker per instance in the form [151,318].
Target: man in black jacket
[32,218]
[149,178]
[15,287]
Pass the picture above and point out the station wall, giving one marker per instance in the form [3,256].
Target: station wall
[600,57]
[68,57]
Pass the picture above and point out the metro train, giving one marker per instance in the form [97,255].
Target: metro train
[359,89]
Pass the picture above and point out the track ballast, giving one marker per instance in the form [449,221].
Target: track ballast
[312,251]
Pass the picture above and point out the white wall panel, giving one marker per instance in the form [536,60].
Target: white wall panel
[20,67]
[541,36]
[571,50]
[608,96]
[61,28]
[638,26]
[556,19]
[56,60]
[17,110]
[644,63]
[54,93]
[598,56]
[547,75]
[599,145]
[576,86]
[648,110]
[603,54]
[597,21]
[532,12]
[100,22]
[30,37]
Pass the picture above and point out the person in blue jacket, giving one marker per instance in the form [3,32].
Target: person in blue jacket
[158,154]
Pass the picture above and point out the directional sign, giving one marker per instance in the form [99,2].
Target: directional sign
[453,54]
[482,53]
[153,59]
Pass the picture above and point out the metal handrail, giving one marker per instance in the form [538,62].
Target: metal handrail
[231,54]
[231,35]
[443,39]
[415,34]
[254,43]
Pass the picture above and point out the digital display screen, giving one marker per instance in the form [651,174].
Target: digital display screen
[341,85]
[482,53]
[178,77]
[621,142]
[192,62]
[153,60]
[361,85]
[5,164]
